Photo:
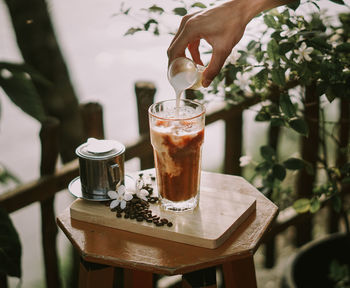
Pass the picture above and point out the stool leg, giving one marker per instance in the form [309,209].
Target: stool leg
[136,279]
[240,273]
[200,279]
[93,275]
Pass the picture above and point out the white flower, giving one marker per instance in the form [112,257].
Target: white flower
[287,32]
[242,80]
[303,52]
[6,74]
[140,192]
[119,197]
[233,57]
[245,160]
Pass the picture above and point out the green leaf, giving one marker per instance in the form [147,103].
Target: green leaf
[267,152]
[180,11]
[316,5]
[273,50]
[260,79]
[277,36]
[149,22]
[336,203]
[10,247]
[270,21]
[276,120]
[294,163]
[315,205]
[21,90]
[251,45]
[25,68]
[285,47]
[345,181]
[132,31]
[302,205]
[341,2]
[294,5]
[286,105]
[263,167]
[344,47]
[278,76]
[299,125]
[319,43]
[156,31]
[263,115]
[279,172]
[199,5]
[321,87]
[259,55]
[156,9]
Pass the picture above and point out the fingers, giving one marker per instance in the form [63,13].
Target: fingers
[182,24]
[180,41]
[193,47]
[184,38]
[216,62]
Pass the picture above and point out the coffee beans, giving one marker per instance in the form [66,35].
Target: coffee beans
[139,209]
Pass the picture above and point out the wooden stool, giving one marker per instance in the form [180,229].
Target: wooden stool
[103,248]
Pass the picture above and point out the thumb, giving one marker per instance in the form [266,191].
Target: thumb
[216,62]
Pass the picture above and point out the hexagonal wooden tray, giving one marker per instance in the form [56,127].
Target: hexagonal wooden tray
[223,207]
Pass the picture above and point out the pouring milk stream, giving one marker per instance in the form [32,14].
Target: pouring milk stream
[183,74]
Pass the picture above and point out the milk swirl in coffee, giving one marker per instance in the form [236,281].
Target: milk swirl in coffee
[177,134]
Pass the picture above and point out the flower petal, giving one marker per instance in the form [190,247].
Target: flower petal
[123,204]
[245,160]
[309,50]
[121,190]
[114,204]
[127,196]
[144,192]
[112,194]
[139,184]
[307,57]
[143,197]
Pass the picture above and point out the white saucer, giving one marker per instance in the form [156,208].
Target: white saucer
[74,188]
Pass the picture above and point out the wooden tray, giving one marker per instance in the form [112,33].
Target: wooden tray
[221,210]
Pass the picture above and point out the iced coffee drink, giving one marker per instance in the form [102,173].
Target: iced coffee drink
[177,135]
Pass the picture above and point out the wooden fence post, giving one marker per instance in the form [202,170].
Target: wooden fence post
[3,281]
[233,144]
[92,117]
[309,152]
[342,156]
[270,249]
[49,136]
[145,92]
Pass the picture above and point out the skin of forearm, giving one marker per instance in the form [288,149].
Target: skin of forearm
[251,8]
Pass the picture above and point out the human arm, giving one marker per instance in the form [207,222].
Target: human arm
[222,27]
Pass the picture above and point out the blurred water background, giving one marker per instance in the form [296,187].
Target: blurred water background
[103,66]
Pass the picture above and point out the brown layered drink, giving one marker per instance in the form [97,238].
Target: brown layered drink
[177,136]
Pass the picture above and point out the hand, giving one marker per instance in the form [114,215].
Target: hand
[222,27]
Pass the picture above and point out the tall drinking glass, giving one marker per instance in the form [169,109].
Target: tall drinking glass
[177,135]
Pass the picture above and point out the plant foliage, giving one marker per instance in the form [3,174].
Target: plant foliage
[10,247]
[294,52]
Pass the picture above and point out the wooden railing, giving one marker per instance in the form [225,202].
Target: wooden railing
[53,181]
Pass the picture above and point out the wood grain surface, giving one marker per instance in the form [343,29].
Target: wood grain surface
[120,248]
[221,210]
